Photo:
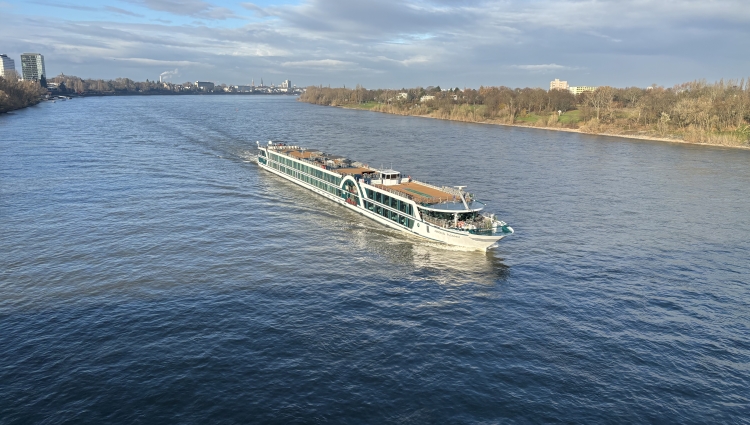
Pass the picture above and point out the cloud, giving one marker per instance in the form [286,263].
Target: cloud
[193,8]
[65,6]
[320,63]
[259,11]
[122,11]
[544,68]
[400,43]
[419,59]
[147,61]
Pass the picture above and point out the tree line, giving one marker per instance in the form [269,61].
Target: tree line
[15,94]
[73,84]
[696,111]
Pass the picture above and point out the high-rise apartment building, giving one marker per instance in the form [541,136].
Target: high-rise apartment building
[32,66]
[7,66]
[557,84]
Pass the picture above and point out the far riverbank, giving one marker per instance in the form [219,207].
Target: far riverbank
[573,130]
[699,113]
[565,129]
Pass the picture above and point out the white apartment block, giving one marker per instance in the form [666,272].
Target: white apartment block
[7,66]
[559,85]
[32,66]
[581,89]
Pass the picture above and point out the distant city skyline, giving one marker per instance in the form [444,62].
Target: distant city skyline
[387,43]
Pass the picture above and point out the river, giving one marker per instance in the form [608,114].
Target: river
[151,274]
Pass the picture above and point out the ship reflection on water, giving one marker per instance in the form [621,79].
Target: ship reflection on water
[445,264]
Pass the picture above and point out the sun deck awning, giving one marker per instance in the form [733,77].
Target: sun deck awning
[304,154]
[420,193]
[353,170]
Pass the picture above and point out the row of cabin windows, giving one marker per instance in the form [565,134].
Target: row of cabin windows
[307,179]
[391,215]
[394,203]
[314,171]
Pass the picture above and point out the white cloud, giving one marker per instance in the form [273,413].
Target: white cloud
[147,61]
[259,11]
[194,8]
[320,63]
[549,67]
[122,11]
[401,43]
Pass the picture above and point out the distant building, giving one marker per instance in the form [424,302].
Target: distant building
[559,85]
[426,98]
[32,66]
[244,89]
[403,95]
[287,84]
[581,89]
[204,85]
[7,66]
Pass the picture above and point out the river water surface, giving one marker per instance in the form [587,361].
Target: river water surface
[150,274]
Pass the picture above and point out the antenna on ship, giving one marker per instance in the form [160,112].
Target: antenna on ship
[461,195]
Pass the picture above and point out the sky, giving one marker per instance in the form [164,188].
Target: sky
[386,43]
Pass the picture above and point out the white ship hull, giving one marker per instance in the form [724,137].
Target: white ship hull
[420,227]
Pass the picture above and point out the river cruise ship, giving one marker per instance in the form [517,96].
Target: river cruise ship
[443,214]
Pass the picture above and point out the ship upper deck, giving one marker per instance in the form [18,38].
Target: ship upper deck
[420,192]
[353,170]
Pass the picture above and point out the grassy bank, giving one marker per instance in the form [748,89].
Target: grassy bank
[716,114]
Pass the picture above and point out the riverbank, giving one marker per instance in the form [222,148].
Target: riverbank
[728,142]
[700,113]
[16,95]
[575,130]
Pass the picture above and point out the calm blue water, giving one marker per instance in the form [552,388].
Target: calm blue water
[150,274]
